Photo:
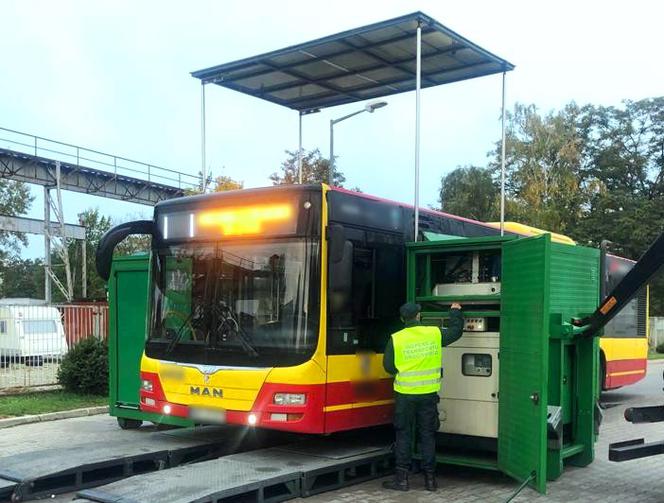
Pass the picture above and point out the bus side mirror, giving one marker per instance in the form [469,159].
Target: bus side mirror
[110,240]
[336,238]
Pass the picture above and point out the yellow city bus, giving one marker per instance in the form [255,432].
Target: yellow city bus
[271,307]
[624,343]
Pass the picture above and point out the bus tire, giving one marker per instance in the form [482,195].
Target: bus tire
[129,424]
[602,374]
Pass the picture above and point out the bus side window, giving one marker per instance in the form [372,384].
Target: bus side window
[388,293]
[352,310]
[365,318]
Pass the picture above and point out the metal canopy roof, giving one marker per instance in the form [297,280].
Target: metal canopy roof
[368,62]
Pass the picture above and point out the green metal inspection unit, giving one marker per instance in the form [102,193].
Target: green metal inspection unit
[522,293]
[127,302]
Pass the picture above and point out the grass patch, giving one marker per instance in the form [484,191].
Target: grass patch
[47,401]
[653,355]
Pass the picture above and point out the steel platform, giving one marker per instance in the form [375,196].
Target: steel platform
[265,475]
[7,489]
[42,472]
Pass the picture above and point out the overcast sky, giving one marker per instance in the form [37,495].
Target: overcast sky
[114,76]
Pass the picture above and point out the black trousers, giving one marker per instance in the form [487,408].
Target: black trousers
[417,413]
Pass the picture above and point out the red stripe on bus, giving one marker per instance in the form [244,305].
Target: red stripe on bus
[613,382]
[345,392]
[349,419]
[631,364]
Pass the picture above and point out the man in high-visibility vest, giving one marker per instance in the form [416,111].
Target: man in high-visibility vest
[414,356]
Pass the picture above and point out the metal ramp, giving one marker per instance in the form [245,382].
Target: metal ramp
[6,489]
[261,476]
[29,475]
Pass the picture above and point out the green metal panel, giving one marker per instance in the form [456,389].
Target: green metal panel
[574,285]
[130,312]
[574,292]
[524,359]
[128,297]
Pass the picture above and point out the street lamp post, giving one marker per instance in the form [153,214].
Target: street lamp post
[370,107]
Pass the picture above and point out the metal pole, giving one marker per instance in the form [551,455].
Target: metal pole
[299,153]
[418,77]
[203,162]
[330,168]
[47,245]
[84,269]
[502,164]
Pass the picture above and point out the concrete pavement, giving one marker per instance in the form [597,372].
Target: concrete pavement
[603,481]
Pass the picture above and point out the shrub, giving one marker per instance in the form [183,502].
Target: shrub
[84,369]
[660,347]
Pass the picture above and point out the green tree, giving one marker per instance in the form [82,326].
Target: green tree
[470,192]
[96,226]
[315,169]
[21,278]
[543,163]
[223,183]
[15,199]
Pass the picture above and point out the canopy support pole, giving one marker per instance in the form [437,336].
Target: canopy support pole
[502,163]
[203,161]
[299,152]
[330,166]
[418,84]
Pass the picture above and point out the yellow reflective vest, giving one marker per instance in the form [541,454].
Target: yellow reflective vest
[417,357]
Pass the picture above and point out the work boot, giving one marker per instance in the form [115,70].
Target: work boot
[399,482]
[430,483]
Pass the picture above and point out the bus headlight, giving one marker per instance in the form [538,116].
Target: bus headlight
[289,398]
[146,385]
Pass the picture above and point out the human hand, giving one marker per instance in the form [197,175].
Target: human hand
[455,305]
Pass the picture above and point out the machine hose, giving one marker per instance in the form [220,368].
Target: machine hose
[520,488]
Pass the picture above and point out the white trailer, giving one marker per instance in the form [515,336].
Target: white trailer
[30,333]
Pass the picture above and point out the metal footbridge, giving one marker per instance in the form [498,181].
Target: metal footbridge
[33,159]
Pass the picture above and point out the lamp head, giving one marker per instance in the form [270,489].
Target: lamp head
[370,107]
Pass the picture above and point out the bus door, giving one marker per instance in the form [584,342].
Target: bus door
[364,295]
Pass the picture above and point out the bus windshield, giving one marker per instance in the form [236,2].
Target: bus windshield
[236,304]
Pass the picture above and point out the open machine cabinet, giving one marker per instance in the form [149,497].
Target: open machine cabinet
[519,387]
[127,303]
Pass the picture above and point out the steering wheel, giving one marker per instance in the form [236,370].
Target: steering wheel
[184,320]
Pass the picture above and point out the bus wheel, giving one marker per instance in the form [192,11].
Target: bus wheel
[129,424]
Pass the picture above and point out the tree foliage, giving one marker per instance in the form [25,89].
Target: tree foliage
[223,183]
[470,191]
[21,277]
[15,199]
[593,173]
[315,169]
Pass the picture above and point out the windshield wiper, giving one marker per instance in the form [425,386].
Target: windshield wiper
[228,314]
[178,334]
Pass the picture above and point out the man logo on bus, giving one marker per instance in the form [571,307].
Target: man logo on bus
[205,391]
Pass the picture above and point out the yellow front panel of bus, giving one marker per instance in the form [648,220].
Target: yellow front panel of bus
[188,385]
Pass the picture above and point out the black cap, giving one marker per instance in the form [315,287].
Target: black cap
[409,310]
